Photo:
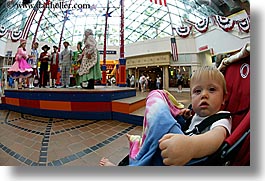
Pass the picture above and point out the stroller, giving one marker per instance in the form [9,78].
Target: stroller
[235,150]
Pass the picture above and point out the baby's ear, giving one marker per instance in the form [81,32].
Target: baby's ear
[224,102]
[225,98]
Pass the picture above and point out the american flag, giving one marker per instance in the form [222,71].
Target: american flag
[174,50]
[161,2]
[30,20]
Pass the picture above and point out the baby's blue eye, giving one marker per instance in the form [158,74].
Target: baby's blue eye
[212,89]
[197,91]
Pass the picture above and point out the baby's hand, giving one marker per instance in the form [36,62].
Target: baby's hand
[186,113]
[176,149]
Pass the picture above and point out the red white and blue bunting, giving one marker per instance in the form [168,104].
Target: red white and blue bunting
[244,25]
[225,23]
[3,31]
[183,31]
[15,35]
[202,26]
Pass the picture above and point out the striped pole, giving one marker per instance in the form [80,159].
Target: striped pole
[104,68]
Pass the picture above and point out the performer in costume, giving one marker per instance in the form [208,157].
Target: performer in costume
[33,61]
[89,70]
[54,65]
[76,63]
[44,59]
[20,69]
[65,63]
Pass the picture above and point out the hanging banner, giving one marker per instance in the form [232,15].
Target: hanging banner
[3,31]
[202,26]
[183,31]
[244,25]
[15,35]
[225,23]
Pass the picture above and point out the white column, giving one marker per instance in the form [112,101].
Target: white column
[165,77]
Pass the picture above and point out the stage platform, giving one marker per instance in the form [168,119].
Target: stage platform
[101,103]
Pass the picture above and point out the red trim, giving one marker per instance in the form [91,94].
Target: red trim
[29,103]
[91,106]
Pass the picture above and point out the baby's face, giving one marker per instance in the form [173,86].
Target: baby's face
[207,96]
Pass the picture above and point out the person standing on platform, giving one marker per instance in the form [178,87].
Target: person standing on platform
[65,64]
[76,63]
[54,65]
[20,69]
[89,70]
[33,61]
[44,59]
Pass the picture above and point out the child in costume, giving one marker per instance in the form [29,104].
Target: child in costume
[33,61]
[44,59]
[76,63]
[65,61]
[20,69]
[54,65]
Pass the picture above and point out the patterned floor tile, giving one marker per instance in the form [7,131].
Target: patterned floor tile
[27,140]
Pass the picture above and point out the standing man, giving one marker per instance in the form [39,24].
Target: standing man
[179,81]
[158,81]
[44,59]
[54,65]
[65,63]
[142,82]
[132,81]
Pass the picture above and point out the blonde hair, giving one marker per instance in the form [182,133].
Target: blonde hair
[212,73]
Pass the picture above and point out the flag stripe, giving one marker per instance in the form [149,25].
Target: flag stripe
[161,2]
[174,50]
[30,20]
[28,24]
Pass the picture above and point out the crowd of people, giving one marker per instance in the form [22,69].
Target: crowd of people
[78,68]
[68,68]
[144,83]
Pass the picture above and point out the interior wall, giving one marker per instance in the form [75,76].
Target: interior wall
[2,46]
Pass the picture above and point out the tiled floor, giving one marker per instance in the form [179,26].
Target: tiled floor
[27,140]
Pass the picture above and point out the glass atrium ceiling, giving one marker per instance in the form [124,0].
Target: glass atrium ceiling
[142,18]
